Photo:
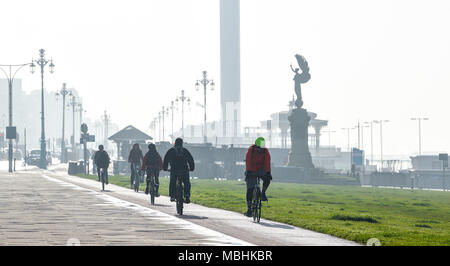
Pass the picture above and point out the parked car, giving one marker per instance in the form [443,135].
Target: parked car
[34,157]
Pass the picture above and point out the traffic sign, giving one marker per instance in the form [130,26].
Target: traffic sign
[11,133]
[84,128]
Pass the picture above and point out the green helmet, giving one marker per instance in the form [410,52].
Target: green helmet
[260,142]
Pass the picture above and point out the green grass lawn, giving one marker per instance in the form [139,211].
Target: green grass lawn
[394,216]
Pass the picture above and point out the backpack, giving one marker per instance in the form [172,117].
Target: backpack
[152,159]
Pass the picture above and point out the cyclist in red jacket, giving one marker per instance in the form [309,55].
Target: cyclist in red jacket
[257,163]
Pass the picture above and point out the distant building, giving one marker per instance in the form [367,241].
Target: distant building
[426,163]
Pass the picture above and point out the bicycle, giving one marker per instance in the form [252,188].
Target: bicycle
[151,186]
[256,201]
[137,176]
[179,198]
[102,177]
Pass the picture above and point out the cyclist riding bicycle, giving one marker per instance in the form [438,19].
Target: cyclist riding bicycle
[135,158]
[257,161]
[181,162]
[102,160]
[152,164]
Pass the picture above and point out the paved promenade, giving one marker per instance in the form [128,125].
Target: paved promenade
[51,208]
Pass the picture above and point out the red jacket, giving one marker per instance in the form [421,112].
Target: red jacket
[256,161]
[159,165]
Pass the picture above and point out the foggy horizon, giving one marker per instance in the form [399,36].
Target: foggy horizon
[371,61]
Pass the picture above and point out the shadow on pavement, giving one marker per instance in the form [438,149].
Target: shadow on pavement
[192,217]
[282,226]
[157,205]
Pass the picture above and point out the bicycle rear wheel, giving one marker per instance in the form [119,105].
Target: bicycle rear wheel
[103,181]
[255,206]
[152,191]
[259,209]
[179,199]
[136,182]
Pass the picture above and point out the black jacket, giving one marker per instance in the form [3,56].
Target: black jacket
[180,159]
[101,159]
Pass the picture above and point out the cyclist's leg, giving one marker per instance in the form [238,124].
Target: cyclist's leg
[98,173]
[172,184]
[147,188]
[132,174]
[106,174]
[266,183]
[187,186]
[251,183]
[157,182]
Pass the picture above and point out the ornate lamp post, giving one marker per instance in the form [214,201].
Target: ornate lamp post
[74,104]
[153,126]
[172,107]
[159,125]
[42,62]
[63,92]
[10,75]
[204,82]
[81,110]
[164,111]
[182,98]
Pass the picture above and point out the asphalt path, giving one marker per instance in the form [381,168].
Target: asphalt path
[50,207]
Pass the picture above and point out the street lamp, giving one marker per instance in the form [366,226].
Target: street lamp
[81,110]
[153,126]
[164,111]
[106,119]
[381,138]
[329,136]
[42,62]
[348,136]
[182,98]
[420,130]
[74,104]
[371,140]
[63,92]
[159,125]
[172,107]
[362,136]
[10,75]
[204,82]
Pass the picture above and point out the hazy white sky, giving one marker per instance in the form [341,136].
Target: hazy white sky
[369,59]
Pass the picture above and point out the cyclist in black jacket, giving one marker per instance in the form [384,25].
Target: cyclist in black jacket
[102,160]
[181,162]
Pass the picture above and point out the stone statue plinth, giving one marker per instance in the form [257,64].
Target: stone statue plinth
[299,155]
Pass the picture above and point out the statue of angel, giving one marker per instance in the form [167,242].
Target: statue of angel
[300,78]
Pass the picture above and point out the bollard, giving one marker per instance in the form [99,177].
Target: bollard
[14,164]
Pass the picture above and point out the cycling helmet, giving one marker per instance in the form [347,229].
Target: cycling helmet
[260,142]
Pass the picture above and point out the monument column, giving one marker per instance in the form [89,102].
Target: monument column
[298,117]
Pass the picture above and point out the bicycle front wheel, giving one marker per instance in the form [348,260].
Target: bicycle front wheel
[258,217]
[180,199]
[255,205]
[103,182]
[136,183]
[152,192]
